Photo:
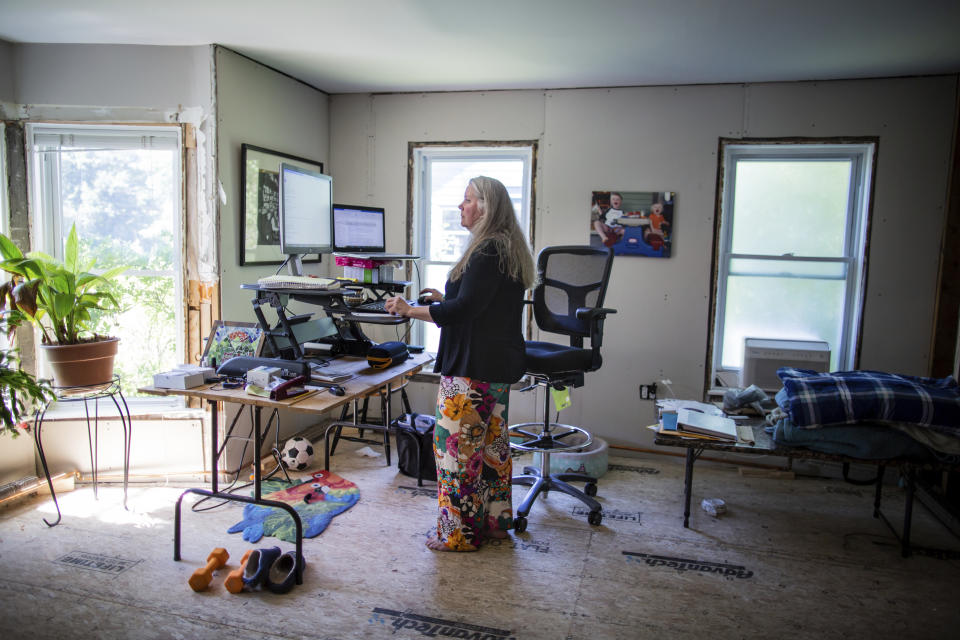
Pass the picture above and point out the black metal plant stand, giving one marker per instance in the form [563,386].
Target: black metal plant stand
[86,394]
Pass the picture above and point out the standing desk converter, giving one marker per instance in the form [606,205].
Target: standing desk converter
[349,338]
[367,380]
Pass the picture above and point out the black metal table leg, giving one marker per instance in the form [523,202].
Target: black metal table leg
[257,498]
[692,455]
[907,512]
[877,495]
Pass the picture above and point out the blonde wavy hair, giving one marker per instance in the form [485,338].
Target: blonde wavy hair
[498,225]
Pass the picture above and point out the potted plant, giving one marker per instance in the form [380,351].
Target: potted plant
[61,298]
[20,392]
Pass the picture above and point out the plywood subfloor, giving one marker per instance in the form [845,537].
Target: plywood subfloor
[795,558]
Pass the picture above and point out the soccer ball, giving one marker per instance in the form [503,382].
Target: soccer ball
[297,453]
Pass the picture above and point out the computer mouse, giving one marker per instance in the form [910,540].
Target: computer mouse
[338,391]
[424,300]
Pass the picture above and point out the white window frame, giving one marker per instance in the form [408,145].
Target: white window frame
[4,206]
[46,220]
[424,155]
[861,153]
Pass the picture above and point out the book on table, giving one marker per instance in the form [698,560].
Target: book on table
[691,422]
[668,426]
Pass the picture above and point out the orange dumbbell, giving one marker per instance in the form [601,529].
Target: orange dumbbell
[234,581]
[201,578]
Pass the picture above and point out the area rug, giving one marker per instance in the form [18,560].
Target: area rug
[317,500]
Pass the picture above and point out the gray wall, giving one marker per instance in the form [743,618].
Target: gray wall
[114,76]
[665,138]
[6,71]
[264,108]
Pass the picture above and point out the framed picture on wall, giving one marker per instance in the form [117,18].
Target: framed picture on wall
[260,198]
[634,223]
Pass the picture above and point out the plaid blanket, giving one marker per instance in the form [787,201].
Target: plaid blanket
[815,400]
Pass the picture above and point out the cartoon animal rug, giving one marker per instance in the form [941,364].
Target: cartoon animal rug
[317,500]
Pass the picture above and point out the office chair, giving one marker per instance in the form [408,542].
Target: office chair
[568,299]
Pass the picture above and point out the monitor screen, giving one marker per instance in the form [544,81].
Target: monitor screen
[306,199]
[358,229]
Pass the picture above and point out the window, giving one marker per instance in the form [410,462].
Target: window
[120,185]
[791,247]
[441,176]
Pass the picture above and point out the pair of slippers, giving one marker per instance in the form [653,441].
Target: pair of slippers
[271,569]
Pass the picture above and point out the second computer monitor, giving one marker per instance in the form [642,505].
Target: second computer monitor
[358,229]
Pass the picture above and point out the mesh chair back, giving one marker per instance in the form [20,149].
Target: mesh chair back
[570,278]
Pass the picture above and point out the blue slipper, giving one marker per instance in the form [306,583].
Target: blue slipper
[258,566]
[283,573]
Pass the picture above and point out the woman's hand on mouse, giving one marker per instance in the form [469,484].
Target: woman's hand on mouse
[429,296]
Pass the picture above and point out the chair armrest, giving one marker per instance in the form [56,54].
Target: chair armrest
[590,313]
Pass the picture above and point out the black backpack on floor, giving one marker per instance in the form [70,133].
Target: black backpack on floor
[412,430]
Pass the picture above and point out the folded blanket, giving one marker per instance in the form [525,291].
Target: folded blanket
[813,399]
[860,441]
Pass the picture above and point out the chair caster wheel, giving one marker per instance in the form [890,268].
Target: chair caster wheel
[519,524]
[595,518]
[590,489]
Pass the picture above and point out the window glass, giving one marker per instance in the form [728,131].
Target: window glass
[120,186]
[791,206]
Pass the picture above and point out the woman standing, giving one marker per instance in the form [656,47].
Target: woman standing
[481,354]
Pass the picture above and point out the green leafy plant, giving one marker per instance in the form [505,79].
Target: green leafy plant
[59,297]
[20,392]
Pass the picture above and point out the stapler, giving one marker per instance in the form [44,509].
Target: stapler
[289,388]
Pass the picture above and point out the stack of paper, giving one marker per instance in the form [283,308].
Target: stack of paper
[691,421]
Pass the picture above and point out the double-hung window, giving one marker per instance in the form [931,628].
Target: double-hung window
[441,174]
[791,247]
[121,187]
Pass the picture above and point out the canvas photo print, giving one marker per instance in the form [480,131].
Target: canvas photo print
[634,223]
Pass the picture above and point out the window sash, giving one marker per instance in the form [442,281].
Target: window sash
[423,160]
[47,143]
[848,267]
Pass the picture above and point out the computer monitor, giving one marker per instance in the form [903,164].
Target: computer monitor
[358,229]
[306,219]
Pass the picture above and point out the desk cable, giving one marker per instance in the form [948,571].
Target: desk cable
[233,486]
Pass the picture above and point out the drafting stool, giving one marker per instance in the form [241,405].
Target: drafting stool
[567,300]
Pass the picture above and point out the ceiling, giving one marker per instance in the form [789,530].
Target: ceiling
[347,46]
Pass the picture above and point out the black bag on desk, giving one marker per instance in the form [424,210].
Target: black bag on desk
[412,428]
[387,354]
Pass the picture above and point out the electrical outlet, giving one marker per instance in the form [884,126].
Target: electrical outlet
[648,391]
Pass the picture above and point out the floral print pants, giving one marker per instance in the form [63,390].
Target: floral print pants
[474,467]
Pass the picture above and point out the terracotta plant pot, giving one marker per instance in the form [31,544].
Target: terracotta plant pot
[76,365]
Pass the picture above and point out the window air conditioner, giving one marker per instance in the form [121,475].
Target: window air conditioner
[763,356]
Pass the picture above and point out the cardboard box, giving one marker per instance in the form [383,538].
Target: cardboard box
[177,379]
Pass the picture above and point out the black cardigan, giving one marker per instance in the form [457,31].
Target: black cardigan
[479,320]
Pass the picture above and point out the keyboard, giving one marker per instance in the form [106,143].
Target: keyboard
[377,306]
[297,282]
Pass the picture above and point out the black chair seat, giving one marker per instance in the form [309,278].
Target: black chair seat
[547,358]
